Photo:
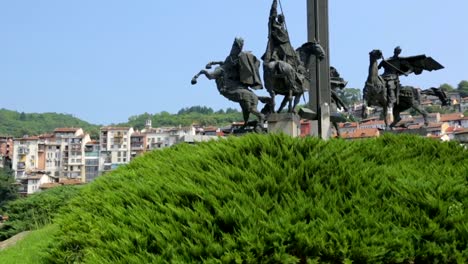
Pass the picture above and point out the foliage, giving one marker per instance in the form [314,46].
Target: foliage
[196,109]
[462,88]
[349,96]
[275,199]
[435,109]
[447,87]
[8,191]
[29,249]
[36,210]
[200,115]
[19,124]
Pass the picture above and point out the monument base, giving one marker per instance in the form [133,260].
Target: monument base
[287,123]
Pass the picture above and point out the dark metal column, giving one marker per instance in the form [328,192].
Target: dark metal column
[319,92]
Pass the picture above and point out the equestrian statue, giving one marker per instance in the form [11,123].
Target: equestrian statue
[235,77]
[284,70]
[386,90]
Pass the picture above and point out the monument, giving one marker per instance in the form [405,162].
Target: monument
[386,90]
[287,72]
[319,75]
[235,77]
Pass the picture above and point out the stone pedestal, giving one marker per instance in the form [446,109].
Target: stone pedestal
[287,123]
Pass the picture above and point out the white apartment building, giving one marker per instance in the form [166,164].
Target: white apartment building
[25,155]
[91,160]
[162,137]
[72,152]
[115,147]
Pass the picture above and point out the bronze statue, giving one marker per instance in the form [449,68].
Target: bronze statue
[410,97]
[391,75]
[386,91]
[337,83]
[284,72]
[234,76]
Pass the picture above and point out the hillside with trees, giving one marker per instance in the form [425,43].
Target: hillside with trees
[16,124]
[200,115]
[461,88]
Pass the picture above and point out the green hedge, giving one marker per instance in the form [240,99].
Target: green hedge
[274,199]
[35,211]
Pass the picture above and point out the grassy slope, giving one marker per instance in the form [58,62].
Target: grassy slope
[30,249]
[275,199]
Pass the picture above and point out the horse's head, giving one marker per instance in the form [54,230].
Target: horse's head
[310,48]
[376,54]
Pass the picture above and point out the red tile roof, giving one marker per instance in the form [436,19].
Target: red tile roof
[361,133]
[49,185]
[451,117]
[348,124]
[70,181]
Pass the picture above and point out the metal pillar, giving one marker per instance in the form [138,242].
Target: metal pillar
[319,92]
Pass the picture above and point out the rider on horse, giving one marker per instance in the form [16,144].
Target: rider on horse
[279,46]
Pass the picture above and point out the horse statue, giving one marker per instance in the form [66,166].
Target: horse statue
[289,79]
[410,97]
[284,70]
[337,83]
[234,76]
[376,93]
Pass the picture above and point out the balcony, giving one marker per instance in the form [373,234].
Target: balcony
[76,147]
[23,151]
[137,146]
[91,154]
[21,166]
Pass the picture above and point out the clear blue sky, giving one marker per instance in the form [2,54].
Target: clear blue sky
[106,60]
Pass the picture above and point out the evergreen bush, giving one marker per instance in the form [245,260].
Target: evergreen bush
[36,210]
[275,199]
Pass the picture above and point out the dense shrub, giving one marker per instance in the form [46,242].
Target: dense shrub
[274,199]
[36,210]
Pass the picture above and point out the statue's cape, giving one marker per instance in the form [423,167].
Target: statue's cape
[417,64]
[249,70]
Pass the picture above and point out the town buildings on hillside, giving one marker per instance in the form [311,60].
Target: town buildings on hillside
[70,156]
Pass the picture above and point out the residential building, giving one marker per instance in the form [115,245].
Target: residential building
[6,153]
[115,147]
[361,133]
[91,160]
[53,155]
[158,138]
[464,104]
[453,119]
[378,124]
[138,144]
[32,180]
[25,155]
[348,127]
[72,145]
[462,136]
